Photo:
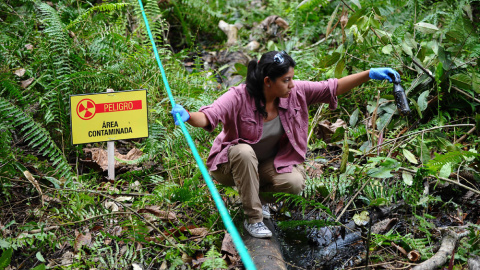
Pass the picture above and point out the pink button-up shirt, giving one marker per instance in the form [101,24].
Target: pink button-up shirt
[243,124]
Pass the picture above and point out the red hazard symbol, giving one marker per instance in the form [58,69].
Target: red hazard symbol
[86,109]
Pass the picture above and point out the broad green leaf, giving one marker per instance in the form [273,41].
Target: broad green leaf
[339,68]
[384,36]
[40,257]
[378,202]
[362,23]
[374,22]
[445,171]
[422,100]
[354,118]
[406,48]
[426,28]
[4,244]
[331,59]
[425,153]
[6,258]
[416,107]
[387,49]
[357,3]
[410,156]
[410,41]
[461,80]
[386,115]
[407,178]
[380,172]
[476,82]
[443,57]
[241,69]
[439,72]
[39,267]
[362,219]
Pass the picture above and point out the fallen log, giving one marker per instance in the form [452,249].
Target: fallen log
[440,258]
[266,253]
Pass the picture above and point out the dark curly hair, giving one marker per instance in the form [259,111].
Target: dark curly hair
[257,71]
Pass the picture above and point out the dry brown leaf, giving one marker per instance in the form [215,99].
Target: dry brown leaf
[163,266]
[29,47]
[186,258]
[111,205]
[155,210]
[50,199]
[339,206]
[199,231]
[19,72]
[413,255]
[100,156]
[123,250]
[314,168]
[384,226]
[34,182]
[117,231]
[26,83]
[96,228]
[82,240]
[344,19]
[135,186]
[67,258]
[325,129]
[228,246]
[123,198]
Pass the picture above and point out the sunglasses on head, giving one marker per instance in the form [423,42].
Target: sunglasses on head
[278,58]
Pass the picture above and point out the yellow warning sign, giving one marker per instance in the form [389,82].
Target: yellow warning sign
[109,116]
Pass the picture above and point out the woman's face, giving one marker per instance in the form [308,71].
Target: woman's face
[281,87]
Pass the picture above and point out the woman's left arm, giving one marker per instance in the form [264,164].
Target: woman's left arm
[349,82]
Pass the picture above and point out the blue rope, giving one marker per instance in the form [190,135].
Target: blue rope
[227,220]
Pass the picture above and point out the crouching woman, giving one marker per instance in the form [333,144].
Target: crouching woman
[263,142]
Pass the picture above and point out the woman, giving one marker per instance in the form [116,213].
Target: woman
[265,123]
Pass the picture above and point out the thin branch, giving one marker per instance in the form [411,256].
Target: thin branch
[466,94]
[417,132]
[445,179]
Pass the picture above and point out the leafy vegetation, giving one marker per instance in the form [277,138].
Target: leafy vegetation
[58,212]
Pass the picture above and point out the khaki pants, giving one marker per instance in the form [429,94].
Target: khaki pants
[250,177]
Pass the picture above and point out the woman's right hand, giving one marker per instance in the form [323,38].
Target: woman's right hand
[184,114]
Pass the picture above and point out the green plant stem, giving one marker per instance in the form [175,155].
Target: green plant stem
[353,198]
[109,196]
[466,94]
[417,132]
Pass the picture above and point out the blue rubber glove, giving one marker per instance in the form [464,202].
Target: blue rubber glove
[184,114]
[384,74]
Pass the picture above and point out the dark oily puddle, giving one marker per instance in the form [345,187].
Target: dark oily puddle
[321,248]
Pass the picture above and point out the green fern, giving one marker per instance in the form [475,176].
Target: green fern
[297,200]
[9,88]
[106,7]
[309,223]
[214,260]
[455,157]
[57,36]
[37,137]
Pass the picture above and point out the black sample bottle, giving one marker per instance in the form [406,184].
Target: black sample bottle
[400,97]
